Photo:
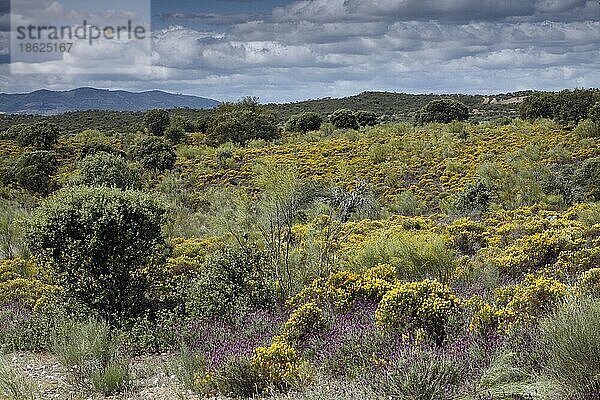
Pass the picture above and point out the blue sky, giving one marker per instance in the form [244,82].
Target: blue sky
[299,49]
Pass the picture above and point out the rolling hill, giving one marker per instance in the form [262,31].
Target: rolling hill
[47,102]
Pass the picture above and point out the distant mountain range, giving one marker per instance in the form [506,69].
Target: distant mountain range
[47,102]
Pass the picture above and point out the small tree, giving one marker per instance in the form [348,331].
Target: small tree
[104,169]
[157,121]
[443,111]
[153,153]
[202,124]
[305,122]
[42,135]
[344,119]
[587,177]
[175,133]
[366,118]
[594,113]
[33,170]
[99,242]
[538,105]
[241,122]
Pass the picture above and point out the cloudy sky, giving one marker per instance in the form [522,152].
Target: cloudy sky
[285,50]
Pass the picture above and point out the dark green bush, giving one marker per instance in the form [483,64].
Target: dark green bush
[100,244]
[538,105]
[33,171]
[175,133]
[594,113]
[344,119]
[474,197]
[587,177]
[443,111]
[153,153]
[184,123]
[241,122]
[366,118]
[104,169]
[157,121]
[42,135]
[202,124]
[573,105]
[565,106]
[305,122]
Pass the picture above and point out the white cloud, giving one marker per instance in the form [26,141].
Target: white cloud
[323,48]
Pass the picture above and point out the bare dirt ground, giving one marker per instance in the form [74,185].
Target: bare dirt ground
[151,379]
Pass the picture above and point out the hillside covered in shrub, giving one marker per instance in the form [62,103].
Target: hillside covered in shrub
[336,256]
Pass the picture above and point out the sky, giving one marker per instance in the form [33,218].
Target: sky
[292,50]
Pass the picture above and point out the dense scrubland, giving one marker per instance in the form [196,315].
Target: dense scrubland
[335,256]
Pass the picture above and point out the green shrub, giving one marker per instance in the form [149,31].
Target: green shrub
[230,282]
[379,153]
[242,122]
[305,122]
[570,340]
[443,111]
[100,243]
[587,176]
[224,155]
[538,105]
[13,131]
[587,129]
[408,203]
[113,378]
[33,171]
[202,124]
[366,118]
[409,307]
[591,215]
[154,153]
[175,133]
[413,255]
[420,376]
[344,119]
[594,113]
[565,106]
[506,378]
[157,121]
[41,135]
[104,169]
[474,197]
[152,334]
